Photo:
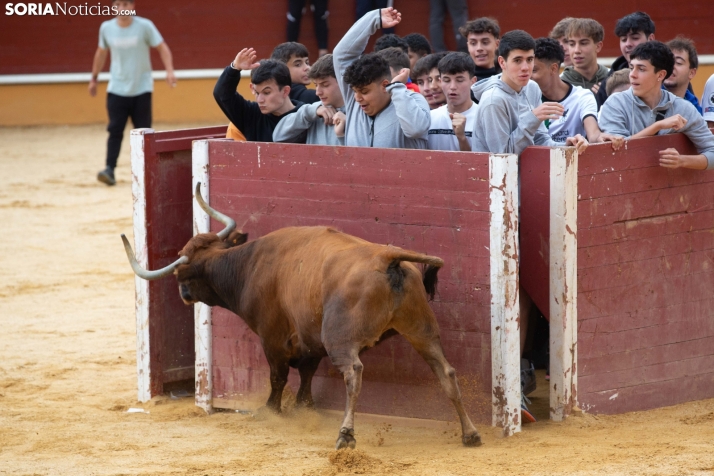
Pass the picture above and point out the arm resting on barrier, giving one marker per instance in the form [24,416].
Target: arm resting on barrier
[671,159]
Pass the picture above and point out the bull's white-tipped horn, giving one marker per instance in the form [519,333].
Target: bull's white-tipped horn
[150,275]
[226,220]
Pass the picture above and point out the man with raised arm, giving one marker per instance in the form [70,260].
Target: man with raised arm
[380,110]
[270,82]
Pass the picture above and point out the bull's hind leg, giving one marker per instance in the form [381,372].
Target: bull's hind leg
[307,369]
[278,378]
[431,351]
[351,367]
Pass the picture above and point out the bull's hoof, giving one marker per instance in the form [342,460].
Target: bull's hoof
[346,439]
[471,440]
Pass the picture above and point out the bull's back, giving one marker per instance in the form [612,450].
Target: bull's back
[287,273]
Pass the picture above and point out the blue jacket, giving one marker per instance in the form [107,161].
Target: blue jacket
[689,96]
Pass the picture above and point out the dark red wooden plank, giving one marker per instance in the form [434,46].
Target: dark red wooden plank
[535,226]
[637,358]
[646,396]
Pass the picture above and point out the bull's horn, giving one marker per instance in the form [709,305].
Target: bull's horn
[149,275]
[226,220]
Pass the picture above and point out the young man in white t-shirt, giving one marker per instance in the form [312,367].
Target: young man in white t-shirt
[579,105]
[129,38]
[452,124]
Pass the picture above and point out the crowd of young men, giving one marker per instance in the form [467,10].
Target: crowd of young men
[506,94]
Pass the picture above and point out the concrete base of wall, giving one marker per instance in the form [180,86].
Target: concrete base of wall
[70,103]
[191,101]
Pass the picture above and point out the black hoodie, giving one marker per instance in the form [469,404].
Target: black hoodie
[299,92]
[601,96]
[244,114]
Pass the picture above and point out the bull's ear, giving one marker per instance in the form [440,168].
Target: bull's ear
[236,238]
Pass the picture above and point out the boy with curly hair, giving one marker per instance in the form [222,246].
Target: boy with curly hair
[380,110]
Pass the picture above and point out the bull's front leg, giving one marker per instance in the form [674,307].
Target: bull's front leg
[278,378]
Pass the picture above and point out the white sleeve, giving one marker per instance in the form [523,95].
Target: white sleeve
[708,100]
[588,106]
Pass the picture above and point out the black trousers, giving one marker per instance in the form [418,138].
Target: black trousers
[366,6]
[319,14]
[459,11]
[120,108]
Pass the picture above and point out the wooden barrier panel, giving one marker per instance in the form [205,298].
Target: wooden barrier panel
[161,185]
[428,201]
[645,240]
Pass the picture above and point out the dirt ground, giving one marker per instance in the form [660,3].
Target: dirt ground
[68,373]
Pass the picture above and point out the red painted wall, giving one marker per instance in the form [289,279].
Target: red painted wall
[209,34]
[428,201]
[645,274]
[645,279]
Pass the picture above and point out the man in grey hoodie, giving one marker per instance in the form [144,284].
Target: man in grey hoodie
[646,109]
[510,114]
[380,110]
[314,123]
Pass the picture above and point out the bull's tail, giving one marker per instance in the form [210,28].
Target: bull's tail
[394,256]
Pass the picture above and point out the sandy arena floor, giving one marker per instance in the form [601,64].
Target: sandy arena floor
[67,364]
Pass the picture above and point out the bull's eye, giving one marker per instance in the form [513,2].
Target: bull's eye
[185,293]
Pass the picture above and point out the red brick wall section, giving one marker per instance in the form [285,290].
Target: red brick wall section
[428,201]
[209,34]
[645,279]
[169,227]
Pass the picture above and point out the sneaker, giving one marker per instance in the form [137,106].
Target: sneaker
[526,415]
[107,176]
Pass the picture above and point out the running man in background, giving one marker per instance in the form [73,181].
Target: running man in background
[130,84]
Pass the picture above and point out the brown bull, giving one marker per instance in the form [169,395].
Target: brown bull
[309,292]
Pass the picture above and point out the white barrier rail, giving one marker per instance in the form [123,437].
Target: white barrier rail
[104,77]
[704,60]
